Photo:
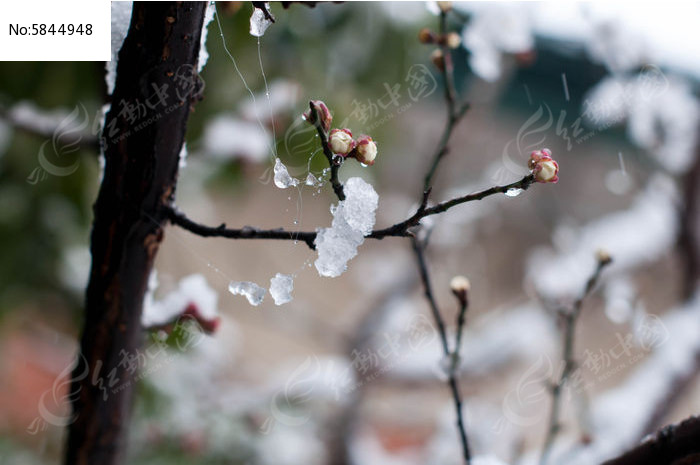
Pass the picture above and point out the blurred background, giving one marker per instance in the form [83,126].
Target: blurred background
[350,370]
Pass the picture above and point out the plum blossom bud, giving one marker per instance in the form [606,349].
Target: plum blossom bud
[445,6]
[543,167]
[340,141]
[547,171]
[453,40]
[438,59]
[208,325]
[426,36]
[322,110]
[460,288]
[366,150]
[603,256]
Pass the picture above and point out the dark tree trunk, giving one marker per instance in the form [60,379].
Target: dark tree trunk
[144,133]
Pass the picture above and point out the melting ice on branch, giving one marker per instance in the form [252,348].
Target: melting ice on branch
[281,287]
[353,219]
[259,22]
[283,179]
[251,291]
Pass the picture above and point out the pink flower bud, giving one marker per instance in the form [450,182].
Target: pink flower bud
[547,171]
[209,325]
[341,142]
[323,112]
[366,150]
[543,167]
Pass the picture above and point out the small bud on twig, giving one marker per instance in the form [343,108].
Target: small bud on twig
[603,256]
[438,59]
[322,110]
[460,286]
[426,36]
[341,142]
[453,40]
[445,7]
[366,150]
[543,166]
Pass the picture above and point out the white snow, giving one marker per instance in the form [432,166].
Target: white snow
[192,289]
[45,121]
[281,287]
[121,18]
[619,415]
[203,53]
[283,179]
[487,460]
[661,112]
[75,267]
[228,137]
[620,294]
[251,291]
[616,45]
[258,22]
[560,274]
[284,96]
[495,29]
[183,156]
[487,344]
[353,219]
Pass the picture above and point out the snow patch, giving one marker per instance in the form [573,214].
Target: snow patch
[281,287]
[203,53]
[560,274]
[494,30]
[228,137]
[121,18]
[192,289]
[251,291]
[353,219]
[258,22]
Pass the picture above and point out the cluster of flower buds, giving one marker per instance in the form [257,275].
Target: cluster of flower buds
[364,149]
[543,166]
[450,40]
[340,141]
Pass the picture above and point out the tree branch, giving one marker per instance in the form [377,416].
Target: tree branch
[247,232]
[677,444]
[455,112]
[569,317]
[333,162]
[419,250]
[397,230]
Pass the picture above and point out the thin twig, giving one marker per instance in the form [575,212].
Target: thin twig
[247,232]
[335,166]
[401,229]
[455,111]
[419,250]
[569,317]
